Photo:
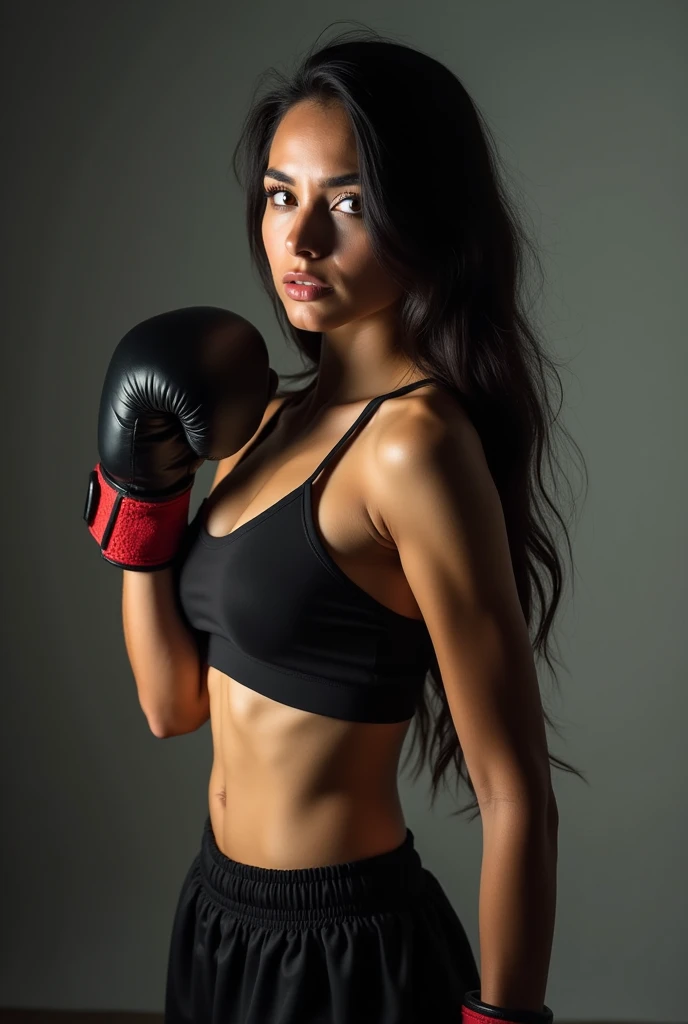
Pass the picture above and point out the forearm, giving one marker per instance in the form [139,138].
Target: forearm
[163,652]
[517,903]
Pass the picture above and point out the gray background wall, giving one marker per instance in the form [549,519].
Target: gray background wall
[119,123]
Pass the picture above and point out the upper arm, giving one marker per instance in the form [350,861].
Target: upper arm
[227,464]
[438,501]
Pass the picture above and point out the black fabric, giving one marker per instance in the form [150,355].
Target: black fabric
[279,615]
[372,941]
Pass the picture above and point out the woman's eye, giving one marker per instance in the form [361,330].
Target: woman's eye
[273,193]
[352,198]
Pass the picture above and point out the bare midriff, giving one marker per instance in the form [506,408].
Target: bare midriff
[291,789]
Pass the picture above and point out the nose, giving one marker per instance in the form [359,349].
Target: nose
[311,235]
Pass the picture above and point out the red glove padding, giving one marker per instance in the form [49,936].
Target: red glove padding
[476,1012]
[132,533]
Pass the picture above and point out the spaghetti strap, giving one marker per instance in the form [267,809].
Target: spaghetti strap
[365,415]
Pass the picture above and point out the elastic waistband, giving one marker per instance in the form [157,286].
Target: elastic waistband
[383,882]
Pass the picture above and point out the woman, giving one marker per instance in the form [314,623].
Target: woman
[381,524]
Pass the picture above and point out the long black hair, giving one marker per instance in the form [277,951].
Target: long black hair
[440,223]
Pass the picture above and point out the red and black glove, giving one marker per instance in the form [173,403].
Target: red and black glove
[476,1012]
[184,386]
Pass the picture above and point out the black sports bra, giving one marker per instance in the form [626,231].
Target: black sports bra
[277,613]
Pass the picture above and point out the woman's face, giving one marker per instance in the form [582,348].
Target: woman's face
[313,227]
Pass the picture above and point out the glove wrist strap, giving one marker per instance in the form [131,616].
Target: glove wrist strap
[474,1011]
[134,534]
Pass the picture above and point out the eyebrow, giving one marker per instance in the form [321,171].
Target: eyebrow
[353,178]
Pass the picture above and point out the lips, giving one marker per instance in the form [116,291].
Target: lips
[310,278]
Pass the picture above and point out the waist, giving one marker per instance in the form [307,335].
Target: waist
[285,832]
[384,881]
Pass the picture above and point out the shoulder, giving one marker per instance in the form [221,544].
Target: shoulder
[428,420]
[428,455]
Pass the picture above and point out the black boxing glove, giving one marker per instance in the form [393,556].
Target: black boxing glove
[474,1011]
[184,386]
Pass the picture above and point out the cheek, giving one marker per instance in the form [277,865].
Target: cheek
[268,231]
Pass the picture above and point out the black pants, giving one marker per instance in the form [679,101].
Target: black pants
[372,941]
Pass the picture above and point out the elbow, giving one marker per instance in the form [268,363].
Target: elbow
[158,723]
[535,802]
[176,720]
[160,731]
[164,730]
[187,723]
[163,726]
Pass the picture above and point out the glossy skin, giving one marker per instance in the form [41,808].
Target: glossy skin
[289,788]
